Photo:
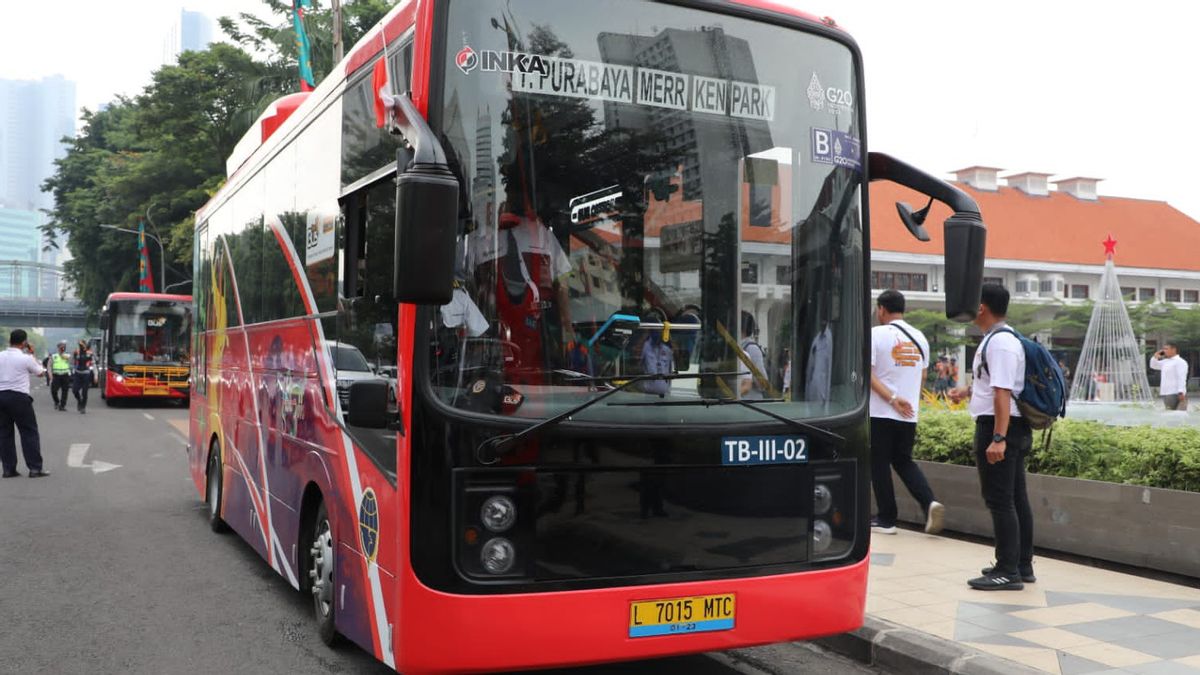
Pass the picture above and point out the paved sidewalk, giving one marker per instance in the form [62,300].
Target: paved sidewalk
[1076,619]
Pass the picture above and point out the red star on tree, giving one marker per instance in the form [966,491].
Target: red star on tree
[1110,246]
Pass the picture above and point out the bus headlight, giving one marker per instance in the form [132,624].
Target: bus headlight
[822,499]
[119,378]
[498,556]
[822,536]
[498,513]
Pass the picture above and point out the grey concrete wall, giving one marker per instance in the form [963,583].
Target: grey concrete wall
[1147,527]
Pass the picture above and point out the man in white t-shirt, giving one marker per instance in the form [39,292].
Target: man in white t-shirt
[1173,387]
[899,358]
[1003,440]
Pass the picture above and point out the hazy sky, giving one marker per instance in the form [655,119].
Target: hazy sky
[1062,86]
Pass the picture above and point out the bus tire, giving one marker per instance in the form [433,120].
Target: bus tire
[323,575]
[214,491]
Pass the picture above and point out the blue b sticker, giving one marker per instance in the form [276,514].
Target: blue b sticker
[764,450]
[830,146]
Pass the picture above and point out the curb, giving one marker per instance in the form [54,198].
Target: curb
[894,649]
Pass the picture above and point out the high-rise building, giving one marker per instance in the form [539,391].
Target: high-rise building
[35,115]
[20,241]
[193,32]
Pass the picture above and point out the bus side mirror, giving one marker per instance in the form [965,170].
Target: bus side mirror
[965,235]
[368,407]
[426,213]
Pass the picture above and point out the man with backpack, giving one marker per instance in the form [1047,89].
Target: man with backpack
[751,384]
[899,359]
[1003,439]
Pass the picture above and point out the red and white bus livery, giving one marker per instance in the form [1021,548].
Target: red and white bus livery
[559,356]
[145,346]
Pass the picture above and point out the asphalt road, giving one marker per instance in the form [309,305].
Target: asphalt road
[117,571]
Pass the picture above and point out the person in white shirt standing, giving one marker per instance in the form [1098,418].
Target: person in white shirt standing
[899,358]
[16,407]
[1173,387]
[1003,440]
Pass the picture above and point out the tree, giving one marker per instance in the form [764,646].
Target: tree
[944,335]
[158,156]
[161,155]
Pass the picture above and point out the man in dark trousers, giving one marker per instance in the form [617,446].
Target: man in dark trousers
[81,375]
[60,371]
[899,358]
[1003,440]
[16,407]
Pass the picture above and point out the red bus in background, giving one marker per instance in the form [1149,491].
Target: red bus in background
[145,346]
[472,366]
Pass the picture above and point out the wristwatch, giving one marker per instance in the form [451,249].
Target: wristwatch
[998,438]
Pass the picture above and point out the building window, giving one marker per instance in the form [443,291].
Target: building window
[999,281]
[1079,291]
[1046,286]
[900,281]
[1145,294]
[1173,295]
[749,273]
[783,275]
[1191,296]
[1128,292]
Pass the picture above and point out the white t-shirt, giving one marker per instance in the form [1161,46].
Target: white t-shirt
[1006,370]
[1174,375]
[898,362]
[754,351]
[15,368]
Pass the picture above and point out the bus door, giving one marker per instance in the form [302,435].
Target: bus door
[363,347]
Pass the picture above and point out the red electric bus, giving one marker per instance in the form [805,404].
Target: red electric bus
[473,365]
[145,346]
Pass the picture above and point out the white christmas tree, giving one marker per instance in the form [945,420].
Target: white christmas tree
[1111,367]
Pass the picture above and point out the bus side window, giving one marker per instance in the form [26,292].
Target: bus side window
[365,349]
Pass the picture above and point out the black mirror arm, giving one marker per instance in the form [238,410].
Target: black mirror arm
[417,134]
[885,167]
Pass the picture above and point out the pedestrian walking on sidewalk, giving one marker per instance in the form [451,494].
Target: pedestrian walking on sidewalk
[17,363]
[1003,440]
[899,359]
[81,375]
[1173,387]
[60,372]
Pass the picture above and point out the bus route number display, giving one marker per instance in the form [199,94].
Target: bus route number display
[676,616]
[743,450]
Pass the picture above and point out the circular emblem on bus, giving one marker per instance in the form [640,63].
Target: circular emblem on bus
[368,524]
[479,386]
[466,59]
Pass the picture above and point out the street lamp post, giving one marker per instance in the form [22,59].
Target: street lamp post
[162,257]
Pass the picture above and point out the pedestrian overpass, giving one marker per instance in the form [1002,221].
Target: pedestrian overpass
[35,313]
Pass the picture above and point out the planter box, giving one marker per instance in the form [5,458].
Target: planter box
[1145,527]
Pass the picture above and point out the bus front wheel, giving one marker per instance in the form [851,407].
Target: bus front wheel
[214,492]
[322,573]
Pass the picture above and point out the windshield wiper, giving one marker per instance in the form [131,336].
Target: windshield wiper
[753,405]
[497,446]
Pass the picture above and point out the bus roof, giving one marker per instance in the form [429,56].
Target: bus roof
[148,296]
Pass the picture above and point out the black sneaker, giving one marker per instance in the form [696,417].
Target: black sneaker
[996,582]
[879,527]
[1026,575]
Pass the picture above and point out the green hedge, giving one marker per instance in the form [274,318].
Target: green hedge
[1153,457]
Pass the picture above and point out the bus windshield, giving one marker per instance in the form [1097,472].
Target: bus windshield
[149,333]
[650,189]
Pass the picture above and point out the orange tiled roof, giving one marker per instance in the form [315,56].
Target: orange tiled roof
[1056,228]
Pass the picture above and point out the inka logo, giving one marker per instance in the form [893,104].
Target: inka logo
[466,59]
[368,524]
[816,93]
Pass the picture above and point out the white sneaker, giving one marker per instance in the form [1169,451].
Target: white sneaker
[933,520]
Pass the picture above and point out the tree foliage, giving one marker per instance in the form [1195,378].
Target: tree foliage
[158,156]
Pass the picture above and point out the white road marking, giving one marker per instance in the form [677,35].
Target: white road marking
[78,451]
[148,416]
